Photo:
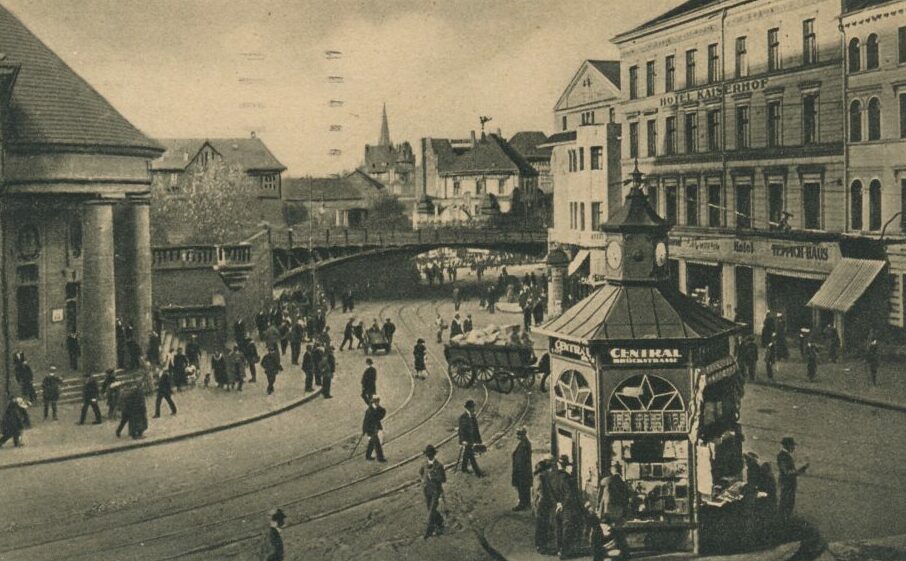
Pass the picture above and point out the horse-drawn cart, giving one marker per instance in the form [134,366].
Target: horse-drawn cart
[503,364]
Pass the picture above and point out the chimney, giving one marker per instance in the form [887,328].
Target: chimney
[253,134]
[474,140]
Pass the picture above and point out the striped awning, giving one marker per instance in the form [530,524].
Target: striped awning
[846,284]
[577,262]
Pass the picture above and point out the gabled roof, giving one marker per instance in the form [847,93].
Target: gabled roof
[52,105]
[527,143]
[608,69]
[631,312]
[491,154]
[563,137]
[357,186]
[250,154]
[682,9]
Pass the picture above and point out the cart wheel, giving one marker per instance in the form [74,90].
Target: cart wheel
[527,381]
[461,373]
[504,381]
[484,374]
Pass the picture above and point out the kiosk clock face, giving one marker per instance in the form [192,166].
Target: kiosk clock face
[660,254]
[614,255]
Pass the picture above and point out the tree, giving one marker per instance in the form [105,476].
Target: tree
[386,212]
[210,206]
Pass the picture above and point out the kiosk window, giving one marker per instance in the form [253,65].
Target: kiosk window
[646,404]
[573,399]
[657,473]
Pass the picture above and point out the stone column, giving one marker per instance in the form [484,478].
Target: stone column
[728,290]
[555,290]
[140,270]
[98,321]
[759,297]
[683,277]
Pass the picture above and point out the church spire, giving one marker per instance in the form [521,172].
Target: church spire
[385,129]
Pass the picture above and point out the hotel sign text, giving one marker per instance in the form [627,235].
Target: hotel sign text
[714,91]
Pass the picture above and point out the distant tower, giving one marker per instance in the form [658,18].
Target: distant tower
[385,129]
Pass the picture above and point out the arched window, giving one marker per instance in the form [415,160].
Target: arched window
[855,205]
[874,119]
[874,205]
[855,60]
[573,399]
[646,403]
[855,121]
[871,52]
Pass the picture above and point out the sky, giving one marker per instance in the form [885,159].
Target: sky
[225,68]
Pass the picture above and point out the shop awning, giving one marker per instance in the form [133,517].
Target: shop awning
[846,284]
[577,262]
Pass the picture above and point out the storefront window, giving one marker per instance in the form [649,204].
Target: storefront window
[573,399]
[657,472]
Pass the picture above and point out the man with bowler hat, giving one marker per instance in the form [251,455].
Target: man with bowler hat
[788,476]
[522,470]
[433,477]
[469,437]
[273,544]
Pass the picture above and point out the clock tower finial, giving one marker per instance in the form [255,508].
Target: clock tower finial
[636,249]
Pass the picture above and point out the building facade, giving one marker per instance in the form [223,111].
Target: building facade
[874,35]
[334,202]
[74,213]
[463,183]
[733,110]
[585,167]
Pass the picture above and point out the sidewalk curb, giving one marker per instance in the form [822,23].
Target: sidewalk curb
[165,440]
[494,553]
[832,394]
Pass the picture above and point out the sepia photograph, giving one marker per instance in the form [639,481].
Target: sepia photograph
[452,280]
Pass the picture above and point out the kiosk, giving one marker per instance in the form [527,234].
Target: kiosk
[643,377]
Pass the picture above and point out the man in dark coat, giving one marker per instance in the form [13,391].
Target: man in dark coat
[568,508]
[273,545]
[250,352]
[347,334]
[90,395]
[180,362]
[811,361]
[135,413]
[467,324]
[308,368]
[833,342]
[455,326]
[13,422]
[369,381]
[317,353]
[788,476]
[73,348]
[261,323]
[193,351]
[469,436]
[153,353]
[418,356]
[872,357]
[284,331]
[327,369]
[538,311]
[359,331]
[372,428]
[543,507]
[220,369]
[26,378]
[238,362]
[389,329]
[522,470]
[271,365]
[767,329]
[296,335]
[164,392]
[50,387]
[433,477]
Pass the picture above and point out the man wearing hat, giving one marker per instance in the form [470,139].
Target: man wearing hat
[13,421]
[522,470]
[50,387]
[543,505]
[568,509]
[433,477]
[788,476]
[273,544]
[372,427]
[369,381]
[90,393]
[418,355]
[469,436]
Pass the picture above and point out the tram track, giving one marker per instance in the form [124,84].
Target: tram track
[409,431]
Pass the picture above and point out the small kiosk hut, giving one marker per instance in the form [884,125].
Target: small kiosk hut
[643,378]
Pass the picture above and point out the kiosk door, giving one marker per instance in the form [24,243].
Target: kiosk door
[587,465]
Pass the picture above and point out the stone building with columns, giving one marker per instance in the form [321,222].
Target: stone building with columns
[734,110]
[75,249]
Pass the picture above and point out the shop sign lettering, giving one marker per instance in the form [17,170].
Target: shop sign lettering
[620,355]
[699,245]
[714,91]
[570,350]
[805,252]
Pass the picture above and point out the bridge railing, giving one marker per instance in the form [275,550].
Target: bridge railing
[200,256]
[339,237]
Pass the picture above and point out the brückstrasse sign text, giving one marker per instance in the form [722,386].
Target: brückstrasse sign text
[662,355]
[570,350]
